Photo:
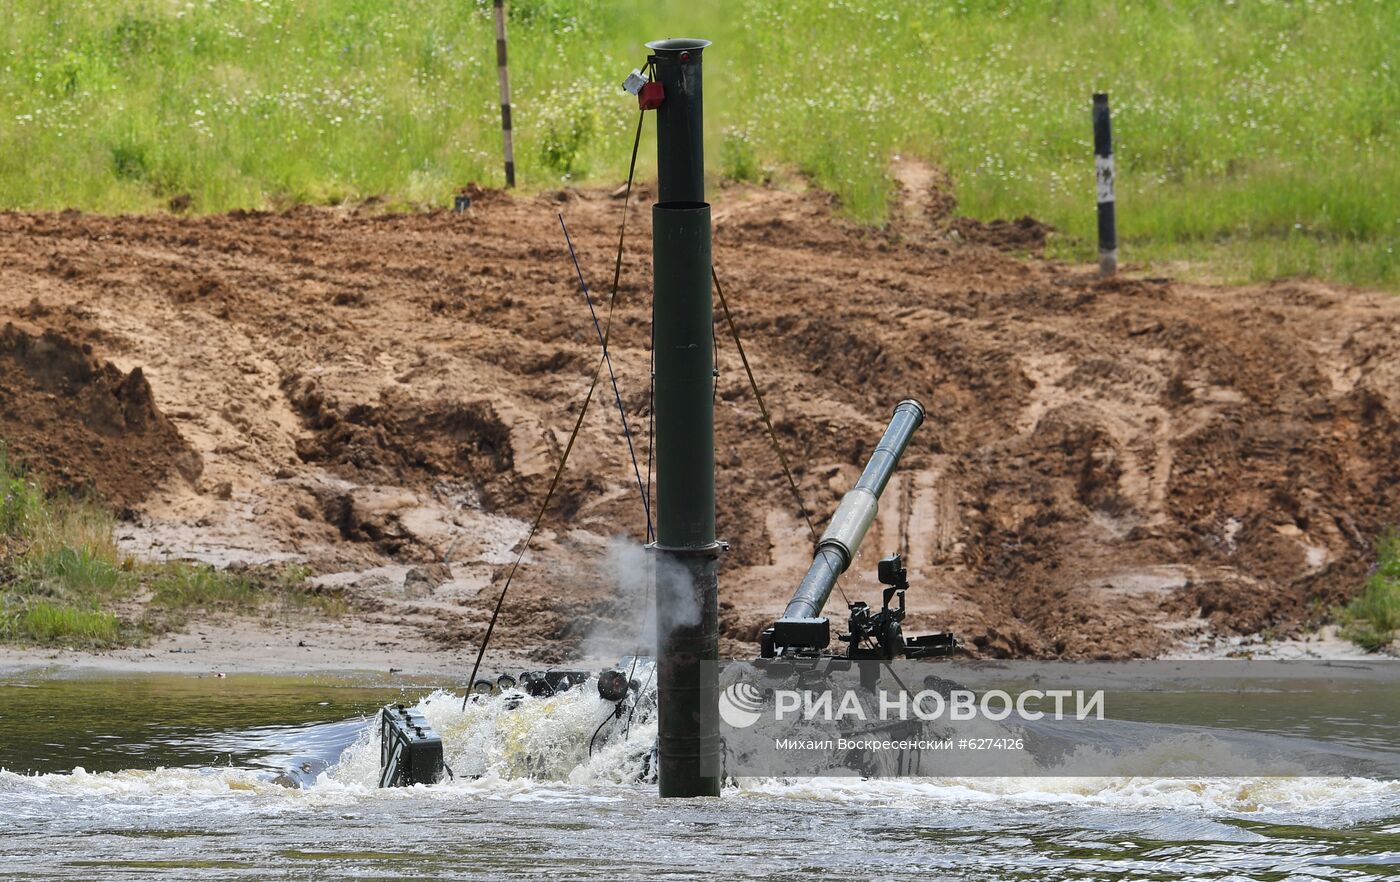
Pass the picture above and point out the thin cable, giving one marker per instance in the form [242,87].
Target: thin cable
[767,420]
[548,497]
[611,716]
[762,408]
[622,232]
[651,398]
[563,460]
[651,393]
[836,580]
[714,360]
[617,276]
[651,407]
[617,395]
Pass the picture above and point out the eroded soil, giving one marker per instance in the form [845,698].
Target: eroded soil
[1108,468]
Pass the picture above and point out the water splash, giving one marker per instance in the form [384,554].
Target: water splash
[545,740]
[520,748]
[1356,797]
[544,804]
[516,736]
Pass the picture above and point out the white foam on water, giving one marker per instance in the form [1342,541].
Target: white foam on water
[1170,785]
[526,749]
[546,740]
[516,737]
[231,788]
[1354,797]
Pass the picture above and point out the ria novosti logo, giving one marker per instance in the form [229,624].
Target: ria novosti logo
[740,705]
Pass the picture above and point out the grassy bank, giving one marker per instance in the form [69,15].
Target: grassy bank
[1255,139]
[63,580]
[1372,619]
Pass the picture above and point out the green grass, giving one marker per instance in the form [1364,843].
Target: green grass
[45,622]
[180,585]
[1373,617]
[61,576]
[179,588]
[59,567]
[1255,139]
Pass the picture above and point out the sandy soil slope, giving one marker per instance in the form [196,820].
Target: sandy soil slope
[1109,467]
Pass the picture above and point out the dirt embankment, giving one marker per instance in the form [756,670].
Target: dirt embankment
[82,421]
[1109,467]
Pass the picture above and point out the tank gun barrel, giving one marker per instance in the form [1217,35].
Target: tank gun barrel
[802,624]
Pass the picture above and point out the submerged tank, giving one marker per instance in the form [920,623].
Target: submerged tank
[411,753]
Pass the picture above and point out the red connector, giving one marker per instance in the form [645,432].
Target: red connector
[651,96]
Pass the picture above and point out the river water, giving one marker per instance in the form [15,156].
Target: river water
[251,777]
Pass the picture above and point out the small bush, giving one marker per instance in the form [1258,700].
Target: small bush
[60,568]
[133,35]
[179,588]
[56,546]
[1373,617]
[567,124]
[20,502]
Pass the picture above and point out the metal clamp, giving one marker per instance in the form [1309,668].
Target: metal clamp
[713,550]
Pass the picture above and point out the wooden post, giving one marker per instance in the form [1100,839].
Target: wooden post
[1103,180]
[504,73]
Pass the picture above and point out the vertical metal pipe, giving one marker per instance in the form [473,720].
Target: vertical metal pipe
[687,601]
[680,131]
[1103,178]
[685,435]
[504,75]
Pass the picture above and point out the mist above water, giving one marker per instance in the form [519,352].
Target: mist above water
[637,577]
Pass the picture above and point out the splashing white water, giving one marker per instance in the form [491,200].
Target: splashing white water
[516,736]
[1244,796]
[519,748]
[546,740]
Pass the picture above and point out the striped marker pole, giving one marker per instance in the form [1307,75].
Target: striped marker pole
[505,91]
[1103,186]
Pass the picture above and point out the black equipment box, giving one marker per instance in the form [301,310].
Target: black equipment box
[931,645]
[809,633]
[410,752]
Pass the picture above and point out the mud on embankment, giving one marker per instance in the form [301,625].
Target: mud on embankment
[1108,467]
[83,422]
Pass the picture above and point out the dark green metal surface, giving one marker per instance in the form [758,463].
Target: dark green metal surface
[687,733]
[686,583]
[685,434]
[687,603]
[680,130]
